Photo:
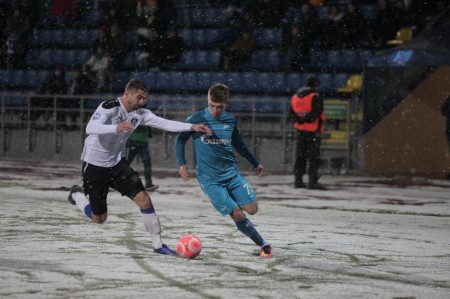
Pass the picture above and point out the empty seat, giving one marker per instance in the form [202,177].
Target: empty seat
[268,37]
[354,84]
[265,60]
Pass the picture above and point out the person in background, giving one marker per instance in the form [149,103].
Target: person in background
[137,144]
[55,84]
[79,84]
[309,117]
[217,169]
[99,69]
[445,110]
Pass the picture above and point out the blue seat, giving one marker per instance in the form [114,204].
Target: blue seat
[349,59]
[89,18]
[176,80]
[333,59]
[294,81]
[369,12]
[203,80]
[5,78]
[218,77]
[190,81]
[265,60]
[44,58]
[83,56]
[249,82]
[326,82]
[58,38]
[272,82]
[317,59]
[198,38]
[122,79]
[19,79]
[340,79]
[323,11]
[186,36]
[234,81]
[268,37]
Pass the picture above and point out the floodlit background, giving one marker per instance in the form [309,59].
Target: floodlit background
[363,238]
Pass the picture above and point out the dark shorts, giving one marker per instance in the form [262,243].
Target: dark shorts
[97,181]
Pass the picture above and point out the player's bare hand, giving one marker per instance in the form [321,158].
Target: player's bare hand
[202,128]
[259,170]
[184,173]
[124,127]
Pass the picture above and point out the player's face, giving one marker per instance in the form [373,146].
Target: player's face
[135,99]
[216,109]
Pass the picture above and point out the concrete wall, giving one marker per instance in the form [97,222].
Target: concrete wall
[411,139]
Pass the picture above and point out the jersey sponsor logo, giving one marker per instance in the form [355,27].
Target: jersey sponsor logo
[225,127]
[212,140]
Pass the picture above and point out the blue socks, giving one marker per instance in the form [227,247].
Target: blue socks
[148,211]
[247,228]
[88,211]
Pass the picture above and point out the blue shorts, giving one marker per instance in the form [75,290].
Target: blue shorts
[226,196]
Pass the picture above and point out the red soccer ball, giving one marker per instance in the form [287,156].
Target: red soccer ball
[189,246]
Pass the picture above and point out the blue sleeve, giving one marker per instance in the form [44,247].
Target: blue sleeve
[242,149]
[180,142]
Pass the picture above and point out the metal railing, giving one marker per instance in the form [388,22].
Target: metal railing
[259,119]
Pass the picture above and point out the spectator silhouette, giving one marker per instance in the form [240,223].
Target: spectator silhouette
[352,27]
[446,112]
[332,30]
[99,69]
[52,85]
[79,84]
[117,47]
[386,24]
[65,12]
[173,47]
[15,49]
[297,49]
[239,52]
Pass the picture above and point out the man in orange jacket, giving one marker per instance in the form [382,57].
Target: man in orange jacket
[307,109]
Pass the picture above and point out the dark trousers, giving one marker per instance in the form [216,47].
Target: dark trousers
[134,148]
[308,151]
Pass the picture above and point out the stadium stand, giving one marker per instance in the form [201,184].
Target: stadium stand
[200,24]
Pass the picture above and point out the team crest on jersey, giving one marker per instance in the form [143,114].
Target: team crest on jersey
[134,121]
[96,115]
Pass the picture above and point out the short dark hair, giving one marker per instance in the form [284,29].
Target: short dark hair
[312,82]
[219,93]
[136,85]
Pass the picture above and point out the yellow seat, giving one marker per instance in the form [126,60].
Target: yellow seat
[403,35]
[354,83]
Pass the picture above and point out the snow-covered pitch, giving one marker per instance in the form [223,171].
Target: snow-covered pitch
[363,238]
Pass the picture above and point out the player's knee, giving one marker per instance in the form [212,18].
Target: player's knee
[99,218]
[251,209]
[237,215]
[142,199]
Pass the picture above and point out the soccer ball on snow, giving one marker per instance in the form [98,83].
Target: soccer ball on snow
[189,246]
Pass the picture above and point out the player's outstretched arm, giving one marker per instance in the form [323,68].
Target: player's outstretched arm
[201,128]
[184,173]
[259,170]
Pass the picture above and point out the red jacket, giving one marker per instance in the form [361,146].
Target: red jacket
[302,106]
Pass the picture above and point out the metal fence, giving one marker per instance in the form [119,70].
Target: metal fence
[44,122]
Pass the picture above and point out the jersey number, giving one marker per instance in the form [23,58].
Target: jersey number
[248,188]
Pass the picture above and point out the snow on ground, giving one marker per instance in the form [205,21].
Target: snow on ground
[363,238]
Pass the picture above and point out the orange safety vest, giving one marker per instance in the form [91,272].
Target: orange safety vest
[303,106]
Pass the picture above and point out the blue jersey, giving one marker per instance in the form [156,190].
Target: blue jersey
[214,157]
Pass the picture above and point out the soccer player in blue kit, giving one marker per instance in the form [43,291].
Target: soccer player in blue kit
[216,166]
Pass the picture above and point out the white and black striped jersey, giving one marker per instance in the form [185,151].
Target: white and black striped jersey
[103,147]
